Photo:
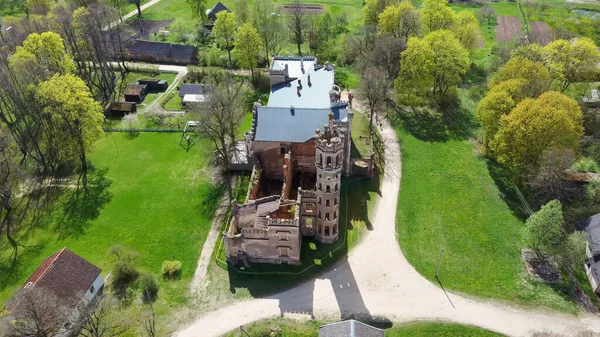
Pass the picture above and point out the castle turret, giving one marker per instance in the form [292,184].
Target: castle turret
[329,163]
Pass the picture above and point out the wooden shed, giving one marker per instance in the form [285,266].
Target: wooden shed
[120,109]
[154,85]
[135,92]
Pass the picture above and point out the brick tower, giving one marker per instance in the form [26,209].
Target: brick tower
[329,161]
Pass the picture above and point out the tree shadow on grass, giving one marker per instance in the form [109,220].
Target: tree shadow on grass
[431,125]
[12,271]
[82,203]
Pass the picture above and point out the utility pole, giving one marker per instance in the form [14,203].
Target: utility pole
[438,279]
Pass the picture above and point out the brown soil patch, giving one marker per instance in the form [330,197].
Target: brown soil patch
[508,28]
[143,28]
[540,33]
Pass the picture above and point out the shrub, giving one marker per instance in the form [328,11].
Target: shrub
[150,69]
[195,74]
[585,165]
[171,269]
[149,287]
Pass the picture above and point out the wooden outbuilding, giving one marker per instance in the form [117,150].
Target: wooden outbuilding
[135,92]
[120,109]
[154,85]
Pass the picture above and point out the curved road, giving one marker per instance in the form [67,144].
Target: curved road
[377,281]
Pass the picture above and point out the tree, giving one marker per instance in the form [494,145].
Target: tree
[400,20]
[373,92]
[220,121]
[224,32]
[39,7]
[499,101]
[242,11]
[551,121]
[544,229]
[247,47]
[198,8]
[431,66]
[103,318]
[138,5]
[38,312]
[534,75]
[297,22]
[548,179]
[373,8]
[270,26]
[486,13]
[41,56]
[466,29]
[124,269]
[149,286]
[68,105]
[572,61]
[386,55]
[436,15]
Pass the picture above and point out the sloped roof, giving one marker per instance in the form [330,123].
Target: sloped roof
[134,89]
[315,95]
[218,7]
[66,274]
[591,226]
[349,328]
[178,52]
[274,124]
[194,89]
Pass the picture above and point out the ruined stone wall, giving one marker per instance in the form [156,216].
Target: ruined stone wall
[280,245]
[304,156]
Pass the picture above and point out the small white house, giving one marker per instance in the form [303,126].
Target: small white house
[190,100]
[591,226]
[71,278]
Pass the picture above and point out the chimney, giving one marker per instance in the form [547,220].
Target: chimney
[298,90]
[300,83]
[292,110]
[302,64]
[286,71]
[331,115]
[309,83]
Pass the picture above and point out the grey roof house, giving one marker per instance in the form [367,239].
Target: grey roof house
[211,13]
[194,89]
[591,226]
[349,328]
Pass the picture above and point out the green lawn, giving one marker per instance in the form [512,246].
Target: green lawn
[301,328]
[161,204]
[174,103]
[449,201]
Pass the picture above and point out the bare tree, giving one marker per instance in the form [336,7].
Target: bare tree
[373,92]
[486,13]
[548,179]
[386,55]
[219,122]
[39,313]
[103,319]
[297,22]
[269,25]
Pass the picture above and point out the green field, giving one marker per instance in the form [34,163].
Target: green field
[449,201]
[299,328]
[159,202]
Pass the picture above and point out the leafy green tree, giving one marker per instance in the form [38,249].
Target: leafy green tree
[500,100]
[247,47]
[270,26]
[401,21]
[224,32]
[466,29]
[551,121]
[198,8]
[572,61]
[149,286]
[532,52]
[534,75]
[436,15]
[75,115]
[373,8]
[242,12]
[41,56]
[124,269]
[544,229]
[431,66]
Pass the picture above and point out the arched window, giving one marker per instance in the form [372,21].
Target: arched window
[320,159]
[334,215]
[334,230]
[327,202]
[319,214]
[328,160]
[326,216]
[326,231]
[335,201]
[327,188]
[320,187]
[320,176]
[319,200]
[336,187]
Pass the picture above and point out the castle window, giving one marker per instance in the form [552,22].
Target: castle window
[334,215]
[282,150]
[328,160]
[326,231]
[320,176]
[336,187]
[334,230]
[320,187]
[326,216]
[321,159]
[335,201]
[327,188]
[327,202]
[283,251]
[319,200]
[319,215]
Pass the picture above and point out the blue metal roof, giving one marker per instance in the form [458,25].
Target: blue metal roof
[276,124]
[314,96]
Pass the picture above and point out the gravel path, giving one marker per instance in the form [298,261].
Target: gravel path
[377,281]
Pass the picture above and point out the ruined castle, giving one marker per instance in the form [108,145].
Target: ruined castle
[300,143]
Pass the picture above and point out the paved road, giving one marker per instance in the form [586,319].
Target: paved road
[135,12]
[377,281]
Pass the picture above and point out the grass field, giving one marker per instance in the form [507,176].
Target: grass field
[132,77]
[449,201]
[159,202]
[299,328]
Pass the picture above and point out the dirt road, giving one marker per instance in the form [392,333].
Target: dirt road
[377,281]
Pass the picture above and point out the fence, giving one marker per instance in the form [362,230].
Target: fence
[140,130]
[328,255]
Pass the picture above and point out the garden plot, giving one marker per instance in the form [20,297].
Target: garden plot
[540,33]
[509,27]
